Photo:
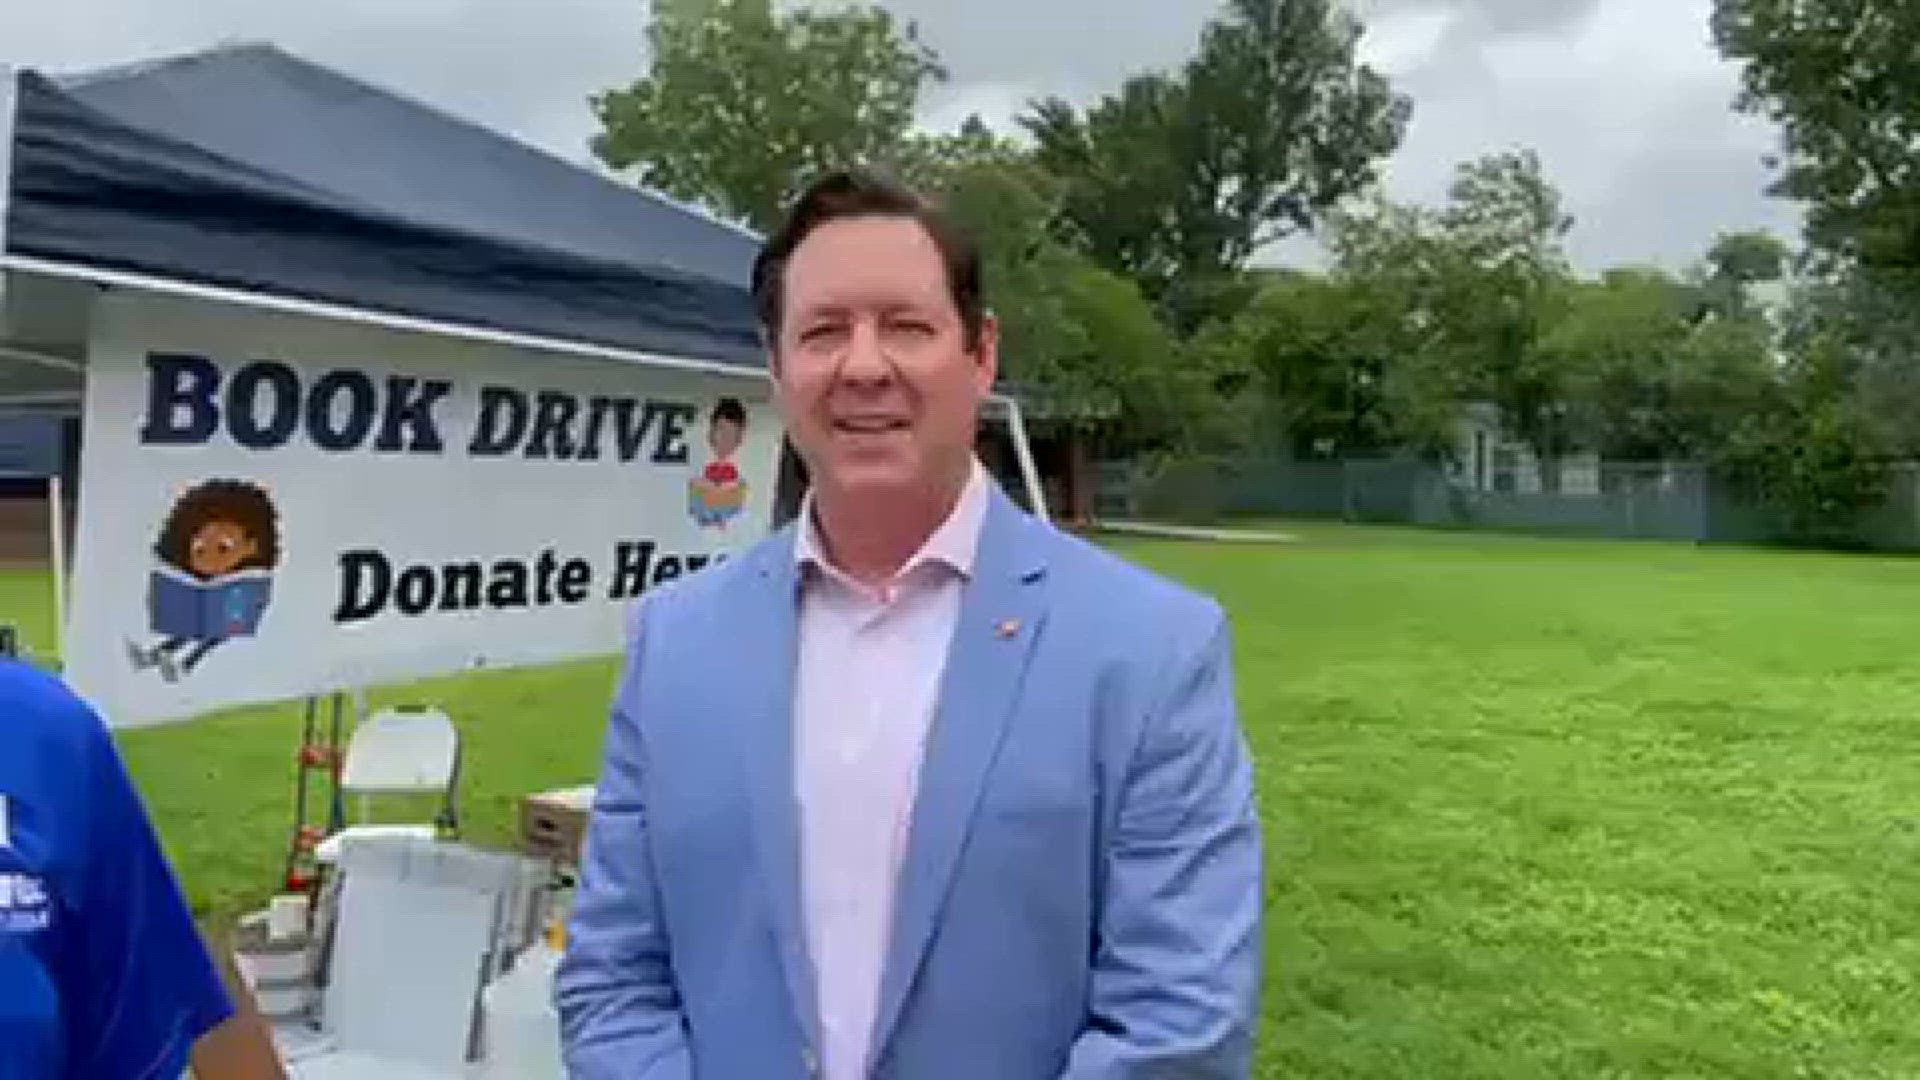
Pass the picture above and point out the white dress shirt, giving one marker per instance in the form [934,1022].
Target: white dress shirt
[868,682]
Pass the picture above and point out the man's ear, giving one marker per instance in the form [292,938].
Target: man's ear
[986,352]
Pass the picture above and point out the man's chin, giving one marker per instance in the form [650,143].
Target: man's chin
[876,479]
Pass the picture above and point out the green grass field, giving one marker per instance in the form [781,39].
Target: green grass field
[1534,808]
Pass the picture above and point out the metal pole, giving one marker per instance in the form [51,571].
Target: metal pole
[57,517]
[302,765]
[337,805]
[1017,423]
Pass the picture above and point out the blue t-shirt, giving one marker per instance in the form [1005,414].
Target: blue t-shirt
[102,973]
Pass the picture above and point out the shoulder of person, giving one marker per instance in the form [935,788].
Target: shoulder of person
[1127,595]
[707,588]
[39,710]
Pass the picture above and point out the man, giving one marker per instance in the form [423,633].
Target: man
[918,788]
[102,973]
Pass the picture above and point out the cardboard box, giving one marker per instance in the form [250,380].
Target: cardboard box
[554,823]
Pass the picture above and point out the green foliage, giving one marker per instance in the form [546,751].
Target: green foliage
[1871,331]
[1619,346]
[1314,362]
[1811,444]
[1722,283]
[1748,257]
[1468,293]
[1177,179]
[1645,378]
[742,104]
[1839,77]
[1079,342]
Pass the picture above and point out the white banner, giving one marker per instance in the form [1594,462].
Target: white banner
[275,505]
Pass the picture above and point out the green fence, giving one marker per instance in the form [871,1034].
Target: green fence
[1671,501]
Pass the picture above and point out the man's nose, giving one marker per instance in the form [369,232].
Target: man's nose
[866,360]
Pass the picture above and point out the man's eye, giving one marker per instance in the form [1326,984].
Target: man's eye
[822,332]
[913,328]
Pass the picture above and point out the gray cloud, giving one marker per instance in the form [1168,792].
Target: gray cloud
[1074,48]
[1625,99]
[1491,18]
[1626,102]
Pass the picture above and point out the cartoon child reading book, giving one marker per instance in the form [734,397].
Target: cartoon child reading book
[717,494]
[217,551]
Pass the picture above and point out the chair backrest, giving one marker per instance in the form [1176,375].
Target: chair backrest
[401,750]
[419,921]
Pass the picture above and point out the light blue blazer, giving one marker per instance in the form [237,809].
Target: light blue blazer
[1081,894]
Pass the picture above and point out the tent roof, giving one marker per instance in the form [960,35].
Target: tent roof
[248,168]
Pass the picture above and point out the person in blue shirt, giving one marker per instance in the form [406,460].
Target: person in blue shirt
[103,975]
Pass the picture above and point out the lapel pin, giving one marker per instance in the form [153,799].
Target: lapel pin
[1007,628]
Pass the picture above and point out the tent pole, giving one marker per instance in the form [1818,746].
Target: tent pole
[57,518]
[30,356]
[1017,424]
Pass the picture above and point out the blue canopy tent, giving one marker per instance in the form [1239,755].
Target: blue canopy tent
[250,172]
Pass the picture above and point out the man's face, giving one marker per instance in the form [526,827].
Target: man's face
[219,547]
[879,391]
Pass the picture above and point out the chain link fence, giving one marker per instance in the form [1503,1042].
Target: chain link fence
[1629,500]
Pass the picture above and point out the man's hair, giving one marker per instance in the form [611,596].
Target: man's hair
[234,501]
[729,409]
[854,193]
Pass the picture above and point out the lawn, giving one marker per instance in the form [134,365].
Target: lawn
[1534,808]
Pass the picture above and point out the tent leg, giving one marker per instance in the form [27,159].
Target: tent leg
[57,517]
[1017,425]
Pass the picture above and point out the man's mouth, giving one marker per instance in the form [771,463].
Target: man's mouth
[868,425]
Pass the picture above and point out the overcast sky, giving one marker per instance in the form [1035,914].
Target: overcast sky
[1626,101]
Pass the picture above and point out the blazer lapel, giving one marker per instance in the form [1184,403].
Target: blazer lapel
[1000,617]
[767,623]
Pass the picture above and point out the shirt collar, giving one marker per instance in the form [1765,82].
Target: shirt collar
[955,544]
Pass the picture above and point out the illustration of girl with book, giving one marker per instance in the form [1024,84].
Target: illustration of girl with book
[217,551]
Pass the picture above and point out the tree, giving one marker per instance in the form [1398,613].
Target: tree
[1305,353]
[1617,345]
[1839,77]
[1177,179]
[1644,379]
[1076,339]
[742,105]
[1467,294]
[1869,340]
[1748,258]
[1721,285]
[1501,276]
[1808,450]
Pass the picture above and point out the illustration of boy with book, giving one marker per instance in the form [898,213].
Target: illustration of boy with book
[217,552]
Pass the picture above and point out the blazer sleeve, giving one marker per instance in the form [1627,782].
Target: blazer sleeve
[620,1012]
[1176,975]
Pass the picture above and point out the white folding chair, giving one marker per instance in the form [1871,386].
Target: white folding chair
[399,752]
